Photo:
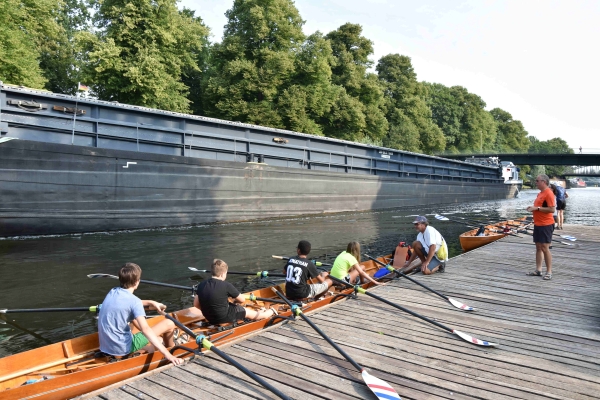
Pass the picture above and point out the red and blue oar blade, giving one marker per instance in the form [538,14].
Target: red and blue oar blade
[380,388]
[473,340]
[460,305]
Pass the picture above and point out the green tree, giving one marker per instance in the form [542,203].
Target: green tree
[139,52]
[512,136]
[27,29]
[552,146]
[358,113]
[59,60]
[255,61]
[410,120]
[306,103]
[461,115]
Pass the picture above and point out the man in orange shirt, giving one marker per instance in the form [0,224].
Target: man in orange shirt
[543,226]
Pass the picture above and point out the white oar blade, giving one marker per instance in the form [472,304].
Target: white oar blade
[441,217]
[571,238]
[194,269]
[473,340]
[380,388]
[102,276]
[570,244]
[460,305]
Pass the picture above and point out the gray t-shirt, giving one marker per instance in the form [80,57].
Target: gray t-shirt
[119,308]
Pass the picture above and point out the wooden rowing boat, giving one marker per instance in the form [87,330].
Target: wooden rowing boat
[469,240]
[73,369]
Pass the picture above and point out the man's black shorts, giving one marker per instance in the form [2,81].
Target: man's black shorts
[543,234]
[561,204]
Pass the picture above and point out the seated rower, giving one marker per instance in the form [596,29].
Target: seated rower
[298,271]
[347,266]
[212,297]
[119,308]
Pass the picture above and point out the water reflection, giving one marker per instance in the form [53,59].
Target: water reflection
[51,271]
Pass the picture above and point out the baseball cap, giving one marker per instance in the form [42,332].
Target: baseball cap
[420,220]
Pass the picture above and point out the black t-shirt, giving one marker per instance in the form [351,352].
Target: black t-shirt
[213,295]
[298,271]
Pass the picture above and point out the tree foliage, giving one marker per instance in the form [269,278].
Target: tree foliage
[358,110]
[139,52]
[462,117]
[28,29]
[255,62]
[552,146]
[59,60]
[410,120]
[511,134]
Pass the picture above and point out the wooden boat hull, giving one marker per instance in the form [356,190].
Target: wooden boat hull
[470,241]
[73,369]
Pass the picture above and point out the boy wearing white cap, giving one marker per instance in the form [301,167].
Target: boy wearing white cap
[430,247]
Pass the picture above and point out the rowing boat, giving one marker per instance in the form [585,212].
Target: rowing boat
[470,240]
[74,367]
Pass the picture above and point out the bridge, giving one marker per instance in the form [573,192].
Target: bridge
[535,159]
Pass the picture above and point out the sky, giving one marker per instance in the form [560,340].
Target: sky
[538,60]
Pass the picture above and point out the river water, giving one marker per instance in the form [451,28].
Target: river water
[51,271]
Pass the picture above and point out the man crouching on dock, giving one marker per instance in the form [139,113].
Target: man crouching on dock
[212,297]
[119,308]
[430,247]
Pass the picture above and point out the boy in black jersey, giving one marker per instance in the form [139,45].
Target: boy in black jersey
[298,271]
[212,297]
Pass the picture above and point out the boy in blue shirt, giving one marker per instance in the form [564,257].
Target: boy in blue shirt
[119,308]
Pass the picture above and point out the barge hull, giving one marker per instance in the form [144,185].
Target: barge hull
[50,188]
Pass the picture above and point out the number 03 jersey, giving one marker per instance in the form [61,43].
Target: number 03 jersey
[298,272]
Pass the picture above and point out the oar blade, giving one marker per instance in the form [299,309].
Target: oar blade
[575,245]
[102,276]
[197,270]
[380,388]
[571,238]
[460,305]
[441,217]
[473,340]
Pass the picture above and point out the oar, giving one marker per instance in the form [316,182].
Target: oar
[462,335]
[144,281]
[455,303]
[204,341]
[260,274]
[380,388]
[554,240]
[31,310]
[317,263]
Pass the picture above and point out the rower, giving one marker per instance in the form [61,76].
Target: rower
[298,271]
[119,308]
[212,297]
[347,265]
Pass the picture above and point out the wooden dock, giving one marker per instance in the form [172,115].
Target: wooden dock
[548,331]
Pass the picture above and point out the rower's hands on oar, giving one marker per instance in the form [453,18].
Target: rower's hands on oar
[159,307]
